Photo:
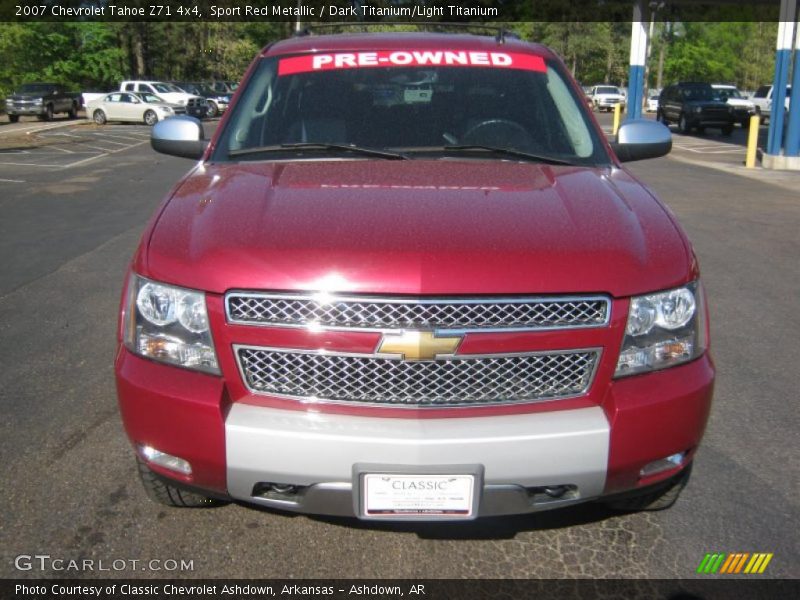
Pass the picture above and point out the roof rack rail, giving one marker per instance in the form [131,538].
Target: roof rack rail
[501,32]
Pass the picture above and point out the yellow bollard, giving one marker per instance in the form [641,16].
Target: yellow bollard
[617,111]
[752,142]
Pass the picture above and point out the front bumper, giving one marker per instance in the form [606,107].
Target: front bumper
[609,103]
[517,454]
[236,448]
[36,109]
[703,120]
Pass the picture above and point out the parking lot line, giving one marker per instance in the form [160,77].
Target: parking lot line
[11,130]
[91,158]
[13,180]
[119,137]
[16,164]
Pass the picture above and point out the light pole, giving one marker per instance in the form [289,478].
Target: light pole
[654,8]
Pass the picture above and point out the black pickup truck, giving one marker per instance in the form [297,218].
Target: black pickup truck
[42,100]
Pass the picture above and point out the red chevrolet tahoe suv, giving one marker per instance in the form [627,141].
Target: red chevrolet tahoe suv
[410,279]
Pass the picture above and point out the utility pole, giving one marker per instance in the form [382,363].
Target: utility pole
[298,24]
[654,8]
[665,37]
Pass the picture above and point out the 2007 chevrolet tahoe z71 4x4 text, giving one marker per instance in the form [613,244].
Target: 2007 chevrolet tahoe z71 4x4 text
[409,279]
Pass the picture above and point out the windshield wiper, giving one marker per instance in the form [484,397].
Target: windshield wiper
[508,152]
[321,146]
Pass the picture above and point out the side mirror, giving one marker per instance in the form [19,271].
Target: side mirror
[640,139]
[179,136]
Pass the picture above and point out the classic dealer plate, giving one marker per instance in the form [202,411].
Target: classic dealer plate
[427,496]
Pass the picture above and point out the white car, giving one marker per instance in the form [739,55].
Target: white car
[762,100]
[195,105]
[742,108]
[606,97]
[652,102]
[125,106]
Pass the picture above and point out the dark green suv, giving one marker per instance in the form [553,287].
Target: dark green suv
[694,106]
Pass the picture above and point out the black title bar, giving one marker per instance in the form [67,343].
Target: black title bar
[366,11]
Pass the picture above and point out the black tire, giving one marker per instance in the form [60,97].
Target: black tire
[13,118]
[99,117]
[683,124]
[700,129]
[727,130]
[72,113]
[48,113]
[660,117]
[169,495]
[661,498]
[150,117]
[213,110]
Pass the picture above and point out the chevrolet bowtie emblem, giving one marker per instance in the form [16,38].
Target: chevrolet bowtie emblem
[417,345]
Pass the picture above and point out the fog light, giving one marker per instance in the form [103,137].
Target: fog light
[663,464]
[162,459]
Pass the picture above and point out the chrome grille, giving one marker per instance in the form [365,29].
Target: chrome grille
[458,381]
[365,313]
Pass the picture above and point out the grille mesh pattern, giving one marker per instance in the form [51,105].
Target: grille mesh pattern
[378,314]
[467,381]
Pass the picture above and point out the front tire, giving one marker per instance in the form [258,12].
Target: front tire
[99,117]
[150,118]
[13,118]
[212,111]
[169,495]
[73,111]
[661,498]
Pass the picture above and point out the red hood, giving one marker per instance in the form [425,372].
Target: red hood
[416,227]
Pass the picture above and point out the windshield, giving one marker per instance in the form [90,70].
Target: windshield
[438,111]
[35,88]
[700,92]
[607,90]
[186,87]
[152,99]
[164,88]
[725,93]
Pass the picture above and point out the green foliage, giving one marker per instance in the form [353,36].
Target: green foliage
[97,55]
[740,53]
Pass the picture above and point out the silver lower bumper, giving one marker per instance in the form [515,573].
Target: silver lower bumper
[520,455]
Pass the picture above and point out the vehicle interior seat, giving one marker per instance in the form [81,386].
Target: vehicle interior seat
[322,116]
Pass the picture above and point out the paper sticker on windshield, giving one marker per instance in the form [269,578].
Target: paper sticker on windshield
[410,58]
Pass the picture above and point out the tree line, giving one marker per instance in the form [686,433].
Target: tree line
[96,56]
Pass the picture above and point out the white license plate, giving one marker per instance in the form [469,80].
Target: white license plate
[387,495]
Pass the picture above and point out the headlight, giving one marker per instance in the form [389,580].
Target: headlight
[663,330]
[165,109]
[168,324]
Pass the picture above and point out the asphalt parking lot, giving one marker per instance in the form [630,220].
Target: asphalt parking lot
[73,202]
[66,144]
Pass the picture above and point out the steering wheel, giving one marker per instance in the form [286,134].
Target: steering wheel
[497,132]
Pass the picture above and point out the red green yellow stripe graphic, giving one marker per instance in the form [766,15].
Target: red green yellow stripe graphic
[734,563]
